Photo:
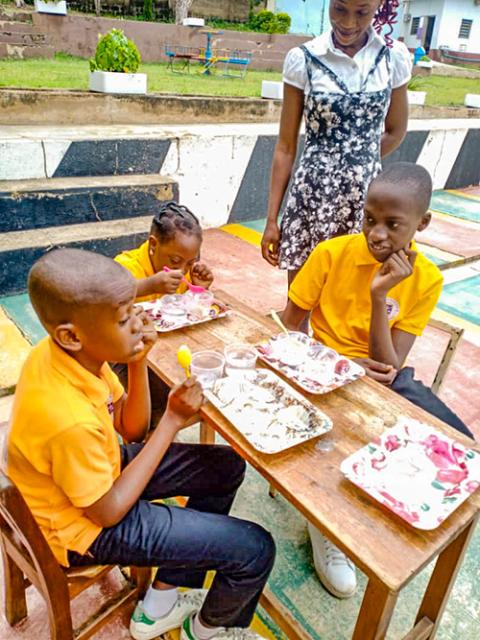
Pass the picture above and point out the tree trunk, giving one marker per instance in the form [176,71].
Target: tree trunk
[181,10]
[98,7]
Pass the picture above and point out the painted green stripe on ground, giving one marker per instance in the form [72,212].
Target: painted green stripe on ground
[462,299]
[19,309]
[456,205]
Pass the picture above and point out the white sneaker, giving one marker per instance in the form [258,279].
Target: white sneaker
[335,571]
[142,627]
[234,633]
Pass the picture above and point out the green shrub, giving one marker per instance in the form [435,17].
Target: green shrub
[115,52]
[416,83]
[268,22]
[148,13]
[284,22]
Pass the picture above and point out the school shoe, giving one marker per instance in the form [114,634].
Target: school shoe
[142,627]
[335,571]
[234,633]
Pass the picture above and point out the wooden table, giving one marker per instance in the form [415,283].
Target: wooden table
[383,546]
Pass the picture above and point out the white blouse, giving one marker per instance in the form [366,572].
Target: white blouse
[352,71]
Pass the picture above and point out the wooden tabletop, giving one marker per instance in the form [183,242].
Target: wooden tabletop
[380,543]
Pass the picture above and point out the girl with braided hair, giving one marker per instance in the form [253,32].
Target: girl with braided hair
[350,84]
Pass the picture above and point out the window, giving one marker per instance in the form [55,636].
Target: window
[415,26]
[465,29]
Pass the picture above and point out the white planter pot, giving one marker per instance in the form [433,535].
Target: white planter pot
[425,64]
[416,97]
[111,82]
[472,100]
[59,8]
[193,22]
[272,90]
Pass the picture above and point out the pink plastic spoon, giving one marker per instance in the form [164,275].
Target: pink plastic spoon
[193,287]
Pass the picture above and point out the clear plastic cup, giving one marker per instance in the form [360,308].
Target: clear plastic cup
[199,304]
[239,357]
[207,367]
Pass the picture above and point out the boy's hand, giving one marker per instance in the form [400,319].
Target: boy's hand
[395,269]
[168,282]
[149,334]
[185,400]
[201,275]
[378,371]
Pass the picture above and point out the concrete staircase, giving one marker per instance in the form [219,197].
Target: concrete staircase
[19,38]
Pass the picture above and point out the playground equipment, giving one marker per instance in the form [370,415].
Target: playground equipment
[232,63]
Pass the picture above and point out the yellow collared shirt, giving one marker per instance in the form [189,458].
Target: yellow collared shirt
[138,262]
[62,452]
[335,282]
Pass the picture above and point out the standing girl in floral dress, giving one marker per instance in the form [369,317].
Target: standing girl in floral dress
[351,86]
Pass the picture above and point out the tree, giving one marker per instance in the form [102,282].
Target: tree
[181,10]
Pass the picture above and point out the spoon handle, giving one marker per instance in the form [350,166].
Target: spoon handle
[276,317]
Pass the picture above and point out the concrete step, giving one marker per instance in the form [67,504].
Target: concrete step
[23,51]
[12,25]
[22,158]
[22,38]
[104,214]
[15,16]
[33,204]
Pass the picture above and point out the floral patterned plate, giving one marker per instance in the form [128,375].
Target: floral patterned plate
[267,411]
[417,472]
[164,322]
[314,367]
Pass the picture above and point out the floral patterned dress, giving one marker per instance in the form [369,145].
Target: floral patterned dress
[340,158]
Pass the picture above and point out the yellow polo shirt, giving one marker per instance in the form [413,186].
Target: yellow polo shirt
[138,262]
[62,451]
[334,284]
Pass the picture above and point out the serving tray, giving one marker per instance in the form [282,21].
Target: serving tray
[267,411]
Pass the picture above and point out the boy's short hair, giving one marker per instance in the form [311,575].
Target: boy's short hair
[173,217]
[415,178]
[65,281]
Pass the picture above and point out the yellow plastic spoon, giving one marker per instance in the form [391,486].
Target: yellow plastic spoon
[184,357]
[276,317]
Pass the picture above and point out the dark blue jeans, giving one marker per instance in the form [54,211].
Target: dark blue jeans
[421,395]
[187,542]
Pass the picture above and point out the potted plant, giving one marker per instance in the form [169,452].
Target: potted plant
[114,67]
[414,95]
[58,7]
[425,62]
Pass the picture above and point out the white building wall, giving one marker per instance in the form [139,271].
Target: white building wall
[454,12]
[449,15]
[421,8]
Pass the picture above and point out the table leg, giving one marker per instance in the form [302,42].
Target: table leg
[207,433]
[375,613]
[443,578]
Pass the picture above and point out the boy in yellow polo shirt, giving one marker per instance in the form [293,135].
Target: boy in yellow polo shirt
[174,242]
[92,497]
[370,295]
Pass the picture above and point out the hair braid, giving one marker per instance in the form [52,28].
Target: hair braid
[386,16]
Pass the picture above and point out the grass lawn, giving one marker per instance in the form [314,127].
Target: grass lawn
[68,72]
